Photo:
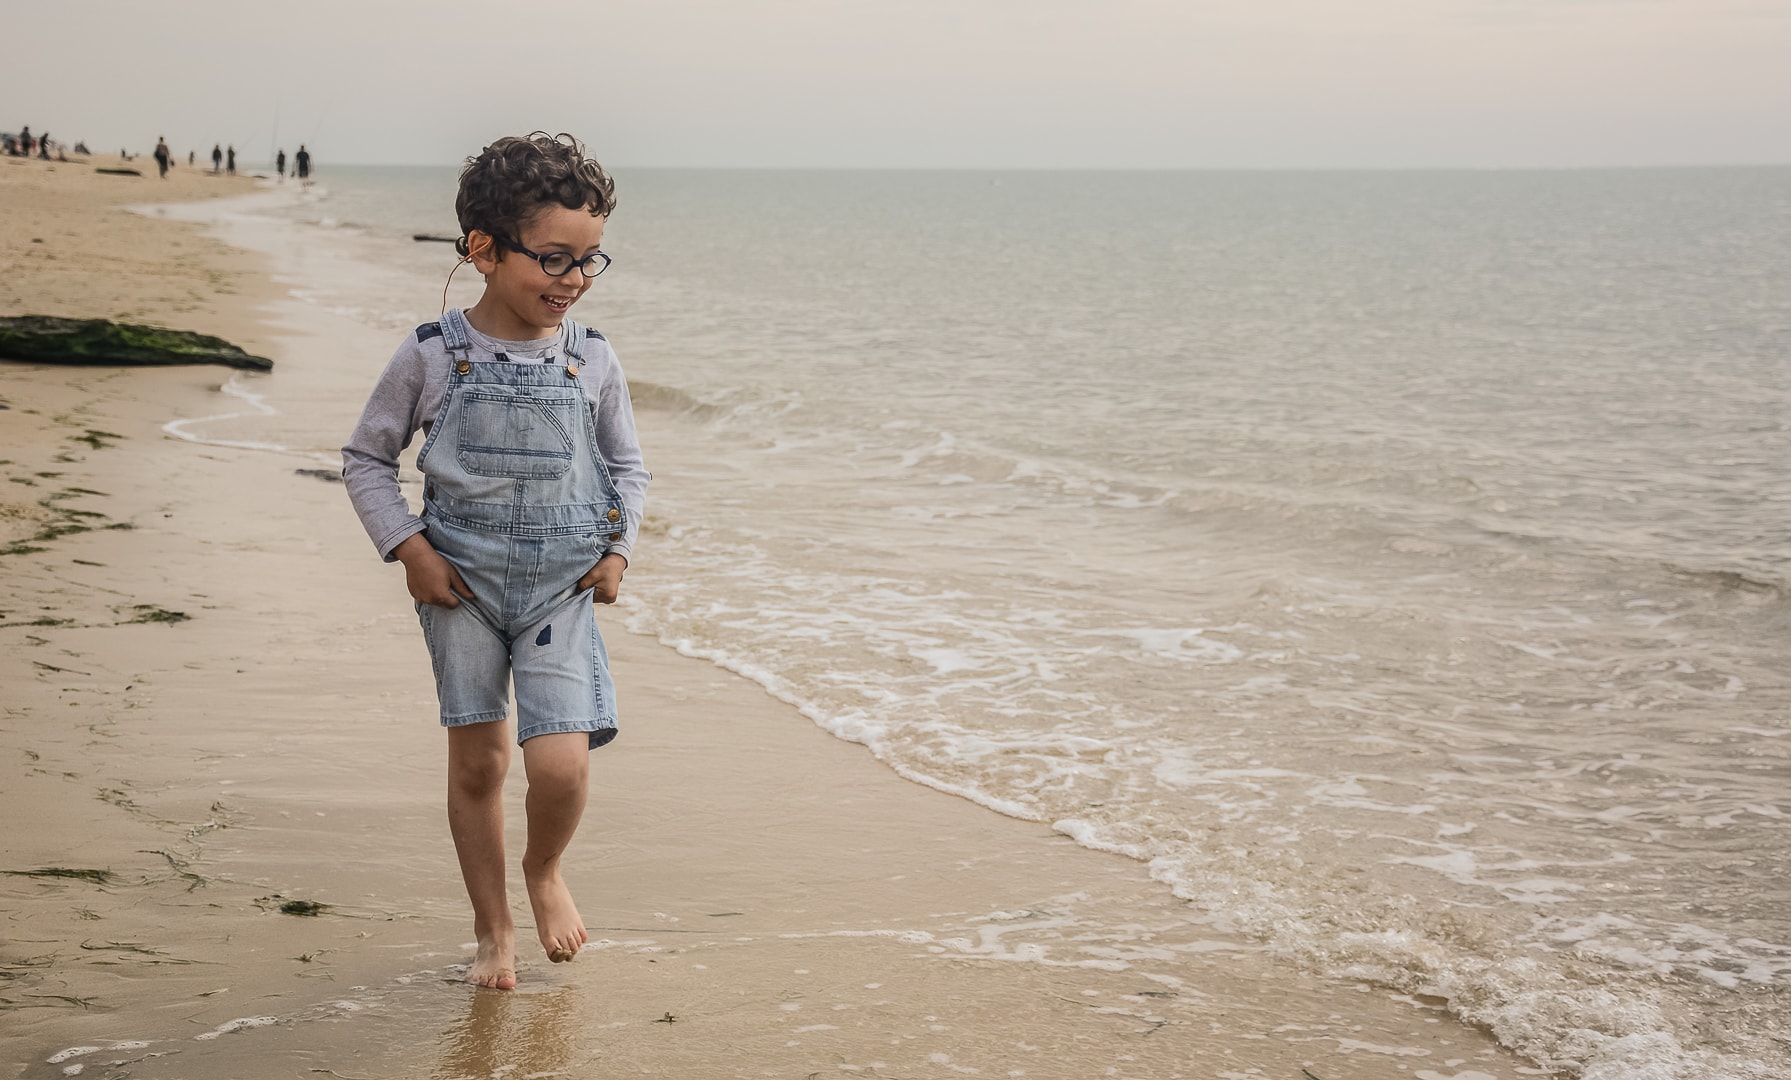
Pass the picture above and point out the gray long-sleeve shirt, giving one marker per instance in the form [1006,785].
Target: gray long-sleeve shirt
[408,397]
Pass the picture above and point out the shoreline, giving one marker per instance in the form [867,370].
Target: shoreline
[765,898]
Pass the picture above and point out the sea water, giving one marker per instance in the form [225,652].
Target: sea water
[1400,563]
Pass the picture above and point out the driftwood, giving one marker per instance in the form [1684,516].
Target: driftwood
[119,172]
[431,238]
[46,339]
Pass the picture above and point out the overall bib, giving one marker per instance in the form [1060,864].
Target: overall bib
[517,498]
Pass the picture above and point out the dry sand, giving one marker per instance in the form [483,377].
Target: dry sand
[216,703]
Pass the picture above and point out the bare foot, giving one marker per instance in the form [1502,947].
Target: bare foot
[557,923]
[494,965]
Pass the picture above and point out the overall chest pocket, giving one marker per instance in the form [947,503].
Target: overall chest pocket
[513,436]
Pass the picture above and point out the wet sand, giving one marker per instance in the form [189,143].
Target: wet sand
[227,854]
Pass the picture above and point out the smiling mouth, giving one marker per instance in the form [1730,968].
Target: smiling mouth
[559,303]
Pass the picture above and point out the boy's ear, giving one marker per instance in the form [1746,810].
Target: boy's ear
[481,250]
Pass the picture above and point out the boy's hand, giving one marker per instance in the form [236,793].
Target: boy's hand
[605,579]
[430,578]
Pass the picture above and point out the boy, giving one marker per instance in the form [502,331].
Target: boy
[532,496]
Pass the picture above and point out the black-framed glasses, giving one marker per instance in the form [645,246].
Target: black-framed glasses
[559,263]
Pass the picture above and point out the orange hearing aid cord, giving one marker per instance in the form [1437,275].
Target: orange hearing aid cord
[471,254]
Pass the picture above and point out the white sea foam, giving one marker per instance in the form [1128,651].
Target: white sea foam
[243,1023]
[234,387]
[61,1056]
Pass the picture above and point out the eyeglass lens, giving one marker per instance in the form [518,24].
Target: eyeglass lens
[557,263]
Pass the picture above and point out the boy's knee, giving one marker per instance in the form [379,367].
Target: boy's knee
[558,761]
[478,770]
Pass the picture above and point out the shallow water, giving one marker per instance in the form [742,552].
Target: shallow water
[1396,561]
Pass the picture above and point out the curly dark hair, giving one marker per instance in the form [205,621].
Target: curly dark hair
[515,178]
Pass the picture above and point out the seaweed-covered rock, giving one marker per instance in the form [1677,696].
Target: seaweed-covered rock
[46,339]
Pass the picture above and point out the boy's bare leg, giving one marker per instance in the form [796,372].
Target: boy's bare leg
[559,771]
[478,758]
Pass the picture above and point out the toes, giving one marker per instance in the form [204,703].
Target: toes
[503,979]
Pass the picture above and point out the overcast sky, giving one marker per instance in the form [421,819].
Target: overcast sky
[921,83]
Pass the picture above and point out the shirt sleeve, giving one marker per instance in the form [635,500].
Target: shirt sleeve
[370,460]
[620,446]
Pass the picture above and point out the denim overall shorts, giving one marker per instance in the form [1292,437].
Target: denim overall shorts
[517,498]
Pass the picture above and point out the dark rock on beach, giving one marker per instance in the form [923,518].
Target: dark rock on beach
[46,339]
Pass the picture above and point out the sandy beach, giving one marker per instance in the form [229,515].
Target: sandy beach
[226,853]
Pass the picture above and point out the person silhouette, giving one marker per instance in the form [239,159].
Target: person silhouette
[217,157]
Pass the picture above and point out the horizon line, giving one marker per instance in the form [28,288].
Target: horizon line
[1134,168]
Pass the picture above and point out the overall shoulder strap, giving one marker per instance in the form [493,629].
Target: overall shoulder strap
[456,337]
[572,340]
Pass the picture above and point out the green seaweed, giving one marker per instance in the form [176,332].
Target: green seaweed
[150,613]
[304,908]
[95,439]
[68,521]
[134,948]
[67,999]
[97,877]
[183,869]
[48,339]
[117,798]
[54,530]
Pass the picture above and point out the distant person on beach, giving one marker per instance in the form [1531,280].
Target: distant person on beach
[217,157]
[301,163]
[162,156]
[189,159]
[529,459]
[25,140]
[43,146]
[230,161]
[280,164]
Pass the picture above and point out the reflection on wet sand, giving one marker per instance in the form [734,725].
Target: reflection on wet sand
[525,1032]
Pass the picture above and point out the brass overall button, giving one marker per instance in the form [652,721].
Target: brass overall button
[463,367]
[571,372]
[614,514]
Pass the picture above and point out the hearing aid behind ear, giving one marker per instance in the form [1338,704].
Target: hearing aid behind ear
[462,246]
